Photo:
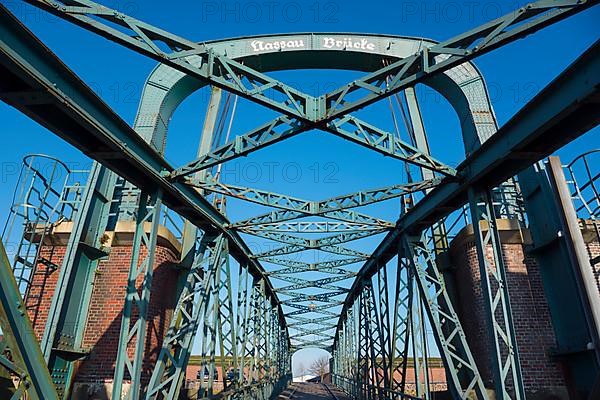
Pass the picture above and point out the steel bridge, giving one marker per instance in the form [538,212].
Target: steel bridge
[375,326]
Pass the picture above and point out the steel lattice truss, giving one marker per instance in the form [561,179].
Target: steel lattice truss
[374,319]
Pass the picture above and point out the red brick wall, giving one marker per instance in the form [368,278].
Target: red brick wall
[103,324]
[593,249]
[534,331]
[44,281]
[104,318]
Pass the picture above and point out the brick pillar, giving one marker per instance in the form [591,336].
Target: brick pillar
[534,332]
[94,376]
[592,244]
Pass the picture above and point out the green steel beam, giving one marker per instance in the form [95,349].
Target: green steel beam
[290,249]
[25,351]
[310,227]
[561,112]
[279,216]
[134,320]
[242,145]
[464,378]
[175,51]
[81,118]
[559,250]
[63,337]
[338,203]
[447,55]
[386,143]
[505,366]
[168,373]
[349,128]
[190,232]
[314,243]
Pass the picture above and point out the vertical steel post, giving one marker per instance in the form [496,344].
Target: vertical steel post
[63,336]
[384,328]
[18,334]
[447,329]
[169,371]
[401,327]
[505,366]
[133,332]
[190,232]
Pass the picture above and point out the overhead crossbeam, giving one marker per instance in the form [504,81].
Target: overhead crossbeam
[167,48]
[321,297]
[386,143]
[314,243]
[242,145]
[349,128]
[304,321]
[294,267]
[283,215]
[441,57]
[311,227]
[291,249]
[283,201]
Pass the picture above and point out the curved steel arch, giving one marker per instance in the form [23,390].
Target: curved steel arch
[462,86]
[494,36]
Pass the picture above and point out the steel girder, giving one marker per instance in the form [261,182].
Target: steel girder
[496,31]
[311,227]
[134,321]
[357,131]
[314,243]
[295,267]
[175,51]
[63,335]
[286,202]
[26,360]
[143,38]
[284,215]
[461,369]
[100,132]
[562,111]
[168,373]
[448,54]
[506,366]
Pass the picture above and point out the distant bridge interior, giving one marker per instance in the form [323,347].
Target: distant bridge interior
[129,280]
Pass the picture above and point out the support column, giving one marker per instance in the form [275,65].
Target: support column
[133,331]
[169,371]
[506,367]
[401,328]
[27,360]
[565,269]
[448,332]
[63,336]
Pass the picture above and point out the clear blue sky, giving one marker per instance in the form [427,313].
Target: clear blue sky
[514,74]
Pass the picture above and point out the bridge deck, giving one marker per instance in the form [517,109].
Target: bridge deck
[312,391]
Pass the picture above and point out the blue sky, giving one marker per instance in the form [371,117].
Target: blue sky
[315,165]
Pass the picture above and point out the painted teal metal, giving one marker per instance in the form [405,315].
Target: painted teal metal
[26,360]
[254,334]
[552,216]
[63,336]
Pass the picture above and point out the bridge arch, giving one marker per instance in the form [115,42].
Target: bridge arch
[463,86]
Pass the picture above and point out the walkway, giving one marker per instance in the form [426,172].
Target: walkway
[310,391]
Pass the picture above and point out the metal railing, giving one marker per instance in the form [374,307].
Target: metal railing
[47,194]
[583,177]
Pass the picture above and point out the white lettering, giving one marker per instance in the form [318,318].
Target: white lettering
[329,43]
[348,44]
[259,45]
